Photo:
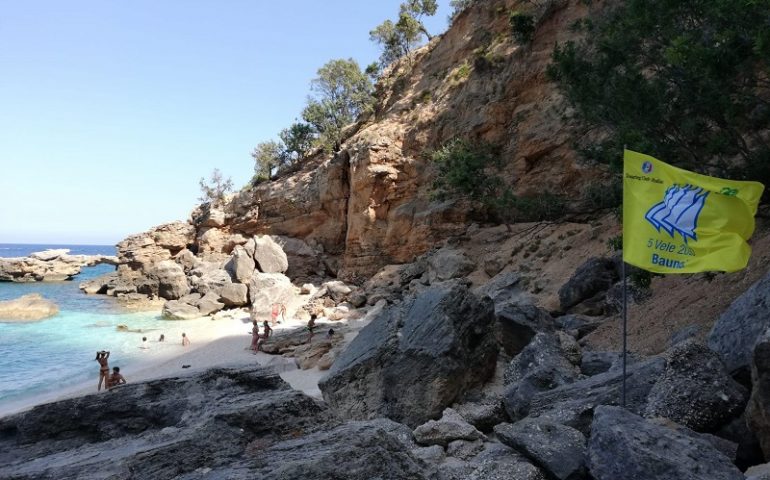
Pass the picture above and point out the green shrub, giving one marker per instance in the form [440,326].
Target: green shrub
[523,26]
[615,244]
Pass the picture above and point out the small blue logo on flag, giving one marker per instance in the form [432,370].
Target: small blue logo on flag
[679,211]
[647,167]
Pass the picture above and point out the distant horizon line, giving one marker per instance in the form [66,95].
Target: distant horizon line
[63,244]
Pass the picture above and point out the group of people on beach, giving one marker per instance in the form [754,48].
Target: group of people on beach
[111,381]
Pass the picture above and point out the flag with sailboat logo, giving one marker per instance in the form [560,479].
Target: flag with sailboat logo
[676,221]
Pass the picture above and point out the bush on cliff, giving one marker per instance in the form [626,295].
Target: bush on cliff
[215,189]
[399,38]
[686,81]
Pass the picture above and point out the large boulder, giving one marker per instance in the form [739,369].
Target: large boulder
[265,289]
[557,449]
[758,411]
[213,281]
[414,359]
[209,304]
[573,404]
[451,426]
[505,288]
[234,295]
[624,445]
[736,331]
[172,282]
[305,263]
[241,265]
[592,278]
[269,255]
[176,310]
[539,367]
[696,390]
[448,263]
[518,324]
[28,308]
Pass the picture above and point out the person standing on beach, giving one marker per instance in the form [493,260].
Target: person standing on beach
[104,369]
[311,327]
[185,340]
[144,344]
[268,330]
[162,338]
[115,379]
[255,338]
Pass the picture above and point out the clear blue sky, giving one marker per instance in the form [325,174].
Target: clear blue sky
[110,111]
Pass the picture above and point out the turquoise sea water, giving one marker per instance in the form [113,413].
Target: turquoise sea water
[48,356]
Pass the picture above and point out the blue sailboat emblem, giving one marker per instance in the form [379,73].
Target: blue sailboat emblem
[679,211]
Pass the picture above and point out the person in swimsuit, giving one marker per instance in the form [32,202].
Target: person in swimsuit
[277,309]
[104,369]
[115,379]
[254,338]
[268,330]
[185,340]
[311,326]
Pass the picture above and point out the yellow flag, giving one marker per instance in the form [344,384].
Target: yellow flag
[675,221]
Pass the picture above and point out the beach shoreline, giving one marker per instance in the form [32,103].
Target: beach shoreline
[216,342]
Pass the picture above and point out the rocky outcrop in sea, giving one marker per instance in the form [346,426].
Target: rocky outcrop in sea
[49,266]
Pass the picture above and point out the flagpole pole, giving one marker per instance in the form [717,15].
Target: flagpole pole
[625,332]
[625,310]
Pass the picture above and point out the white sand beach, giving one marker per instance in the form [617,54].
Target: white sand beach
[219,341]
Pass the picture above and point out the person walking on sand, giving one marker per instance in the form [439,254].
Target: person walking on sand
[104,368]
[185,340]
[254,337]
[115,379]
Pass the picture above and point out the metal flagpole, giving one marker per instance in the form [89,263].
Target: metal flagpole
[625,331]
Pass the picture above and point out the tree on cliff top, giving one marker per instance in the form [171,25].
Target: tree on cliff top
[267,158]
[684,80]
[342,93]
[215,189]
[399,38]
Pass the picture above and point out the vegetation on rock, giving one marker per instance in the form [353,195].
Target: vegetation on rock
[215,188]
[399,38]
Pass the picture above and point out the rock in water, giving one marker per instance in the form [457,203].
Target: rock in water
[414,359]
[737,329]
[625,446]
[695,390]
[29,308]
[557,449]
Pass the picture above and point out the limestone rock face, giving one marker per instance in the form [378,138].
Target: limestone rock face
[269,255]
[414,359]
[737,329]
[234,295]
[448,263]
[623,445]
[29,308]
[241,266]
[141,251]
[172,282]
[695,390]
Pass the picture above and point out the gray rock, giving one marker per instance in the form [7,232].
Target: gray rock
[624,445]
[207,421]
[213,281]
[416,358]
[451,426]
[483,415]
[695,390]
[592,278]
[684,334]
[504,289]
[594,363]
[241,265]
[234,295]
[305,263]
[557,449]
[729,449]
[209,304]
[736,331]
[758,472]
[518,324]
[758,410]
[432,454]
[191,298]
[269,255]
[573,404]
[749,451]
[539,367]
[187,260]
[337,290]
[464,449]
[448,263]
[495,462]
[265,289]
[172,282]
[176,310]
[580,324]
